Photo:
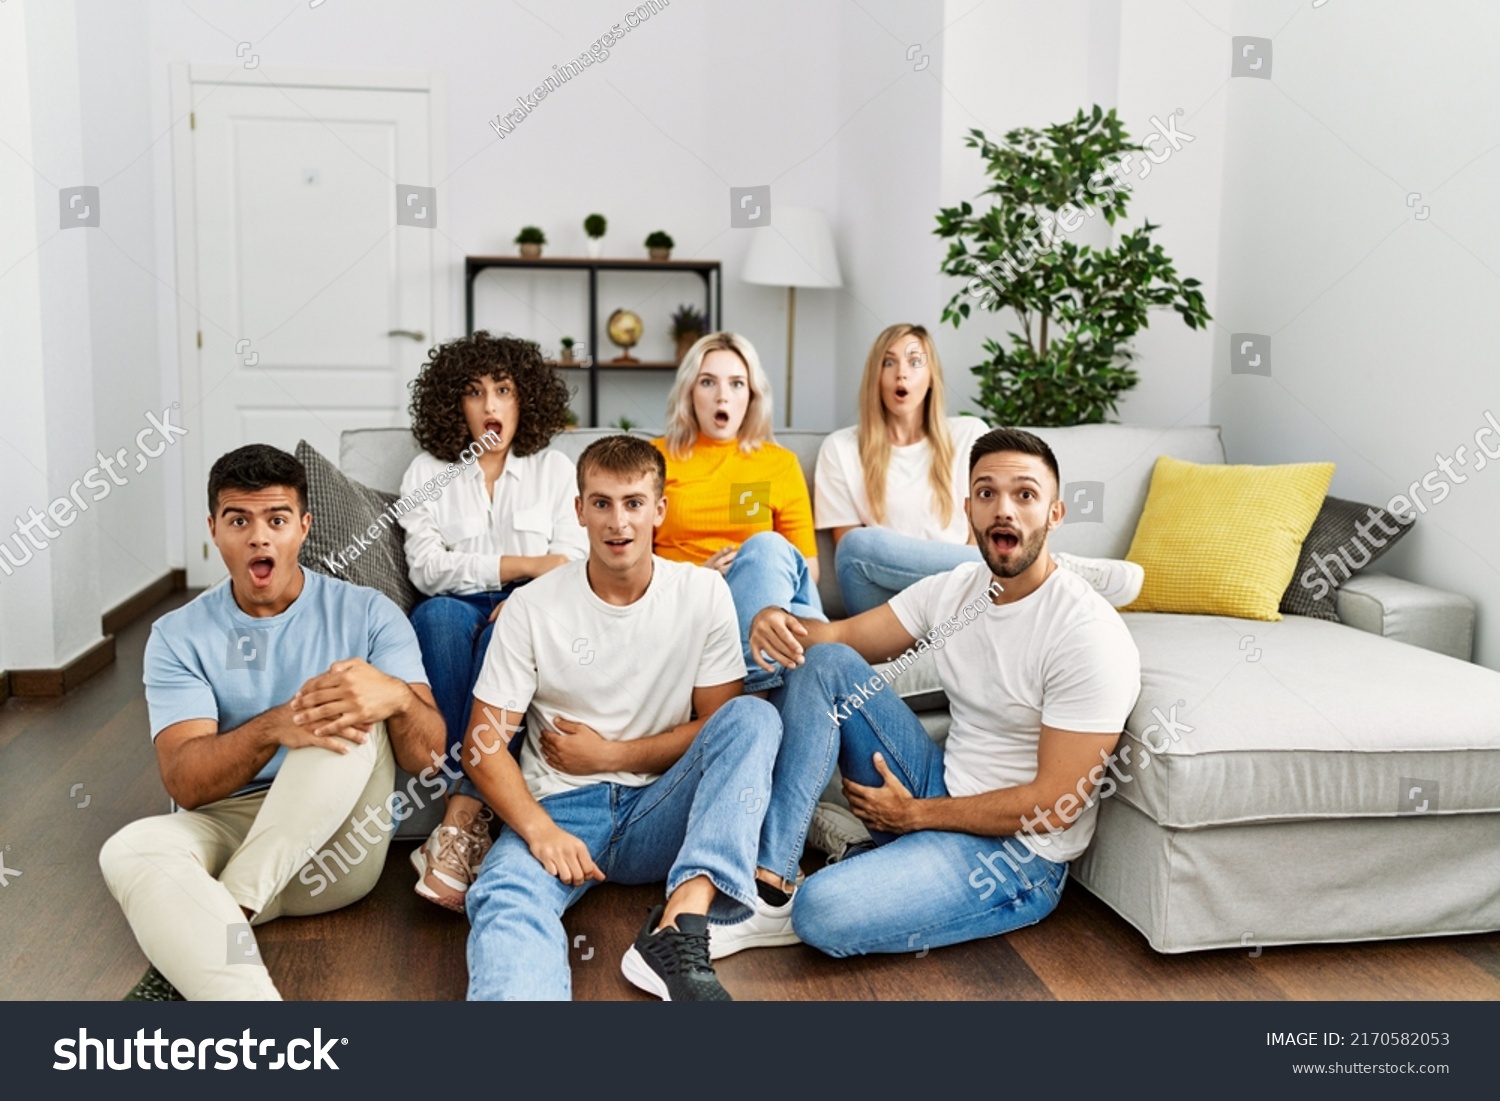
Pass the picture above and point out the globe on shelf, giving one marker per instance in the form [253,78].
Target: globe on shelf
[625,329]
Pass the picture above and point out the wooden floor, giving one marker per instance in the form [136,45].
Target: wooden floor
[62,937]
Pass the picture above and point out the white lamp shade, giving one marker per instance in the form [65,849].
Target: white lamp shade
[795,250]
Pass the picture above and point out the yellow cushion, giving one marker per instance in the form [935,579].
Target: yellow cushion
[1224,540]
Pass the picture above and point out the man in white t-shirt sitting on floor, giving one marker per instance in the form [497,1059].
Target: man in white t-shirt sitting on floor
[643,761]
[972,840]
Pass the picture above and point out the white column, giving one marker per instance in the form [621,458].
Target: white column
[49,604]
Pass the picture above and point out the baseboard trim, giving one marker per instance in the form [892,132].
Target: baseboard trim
[132,608]
[57,682]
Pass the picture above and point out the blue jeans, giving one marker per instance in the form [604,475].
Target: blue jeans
[874,564]
[454,632]
[702,817]
[768,572]
[911,892]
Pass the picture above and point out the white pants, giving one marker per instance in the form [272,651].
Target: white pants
[183,878]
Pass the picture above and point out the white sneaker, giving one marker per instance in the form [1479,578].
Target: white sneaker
[834,830]
[768,927]
[1115,579]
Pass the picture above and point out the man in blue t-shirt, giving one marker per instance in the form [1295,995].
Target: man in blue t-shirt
[280,702]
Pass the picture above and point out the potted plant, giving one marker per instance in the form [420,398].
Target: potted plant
[570,420]
[660,245]
[624,424]
[531,239]
[594,226]
[688,326]
[1077,306]
[567,350]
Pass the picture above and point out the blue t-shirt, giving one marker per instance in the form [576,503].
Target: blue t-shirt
[209,660]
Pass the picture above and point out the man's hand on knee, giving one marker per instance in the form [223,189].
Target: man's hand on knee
[353,695]
[564,856]
[890,807]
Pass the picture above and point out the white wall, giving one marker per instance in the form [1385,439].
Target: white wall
[124,286]
[1171,59]
[1382,358]
[49,604]
[889,181]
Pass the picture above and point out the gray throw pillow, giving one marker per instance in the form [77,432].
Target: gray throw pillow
[340,542]
[1345,538]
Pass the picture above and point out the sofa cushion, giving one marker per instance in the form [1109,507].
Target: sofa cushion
[1106,471]
[1241,722]
[1335,550]
[1224,540]
[344,513]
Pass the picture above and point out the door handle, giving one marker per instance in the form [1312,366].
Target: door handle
[416,334]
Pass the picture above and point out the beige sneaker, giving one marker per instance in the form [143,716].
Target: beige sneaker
[445,867]
[479,839]
[449,861]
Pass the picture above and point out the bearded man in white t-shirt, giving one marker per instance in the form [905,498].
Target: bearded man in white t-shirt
[971,840]
[642,762]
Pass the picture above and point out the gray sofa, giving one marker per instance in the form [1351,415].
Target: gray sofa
[1324,781]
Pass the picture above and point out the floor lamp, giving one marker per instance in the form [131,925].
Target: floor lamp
[796,250]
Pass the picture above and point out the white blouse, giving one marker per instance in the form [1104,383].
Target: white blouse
[454,543]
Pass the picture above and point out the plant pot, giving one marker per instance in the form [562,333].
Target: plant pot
[531,252]
[566,356]
[661,254]
[684,342]
[595,246]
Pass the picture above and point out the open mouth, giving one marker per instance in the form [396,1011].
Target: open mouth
[721,419]
[261,569]
[1004,541]
[620,543]
[901,393]
[493,426]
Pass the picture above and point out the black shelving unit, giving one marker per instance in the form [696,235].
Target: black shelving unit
[709,271]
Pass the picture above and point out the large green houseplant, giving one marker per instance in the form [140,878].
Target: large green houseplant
[1077,306]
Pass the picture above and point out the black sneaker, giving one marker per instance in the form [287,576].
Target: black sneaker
[153,987]
[673,964]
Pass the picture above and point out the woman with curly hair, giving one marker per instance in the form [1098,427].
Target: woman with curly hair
[493,405]
[892,488]
[736,500]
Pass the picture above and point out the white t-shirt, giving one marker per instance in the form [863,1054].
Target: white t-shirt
[456,535]
[839,498]
[628,672]
[1060,657]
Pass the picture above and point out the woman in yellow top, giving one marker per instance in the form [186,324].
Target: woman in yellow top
[736,500]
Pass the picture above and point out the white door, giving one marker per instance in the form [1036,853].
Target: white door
[315,307]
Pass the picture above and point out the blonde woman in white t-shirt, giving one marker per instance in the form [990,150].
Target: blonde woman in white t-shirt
[892,488]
